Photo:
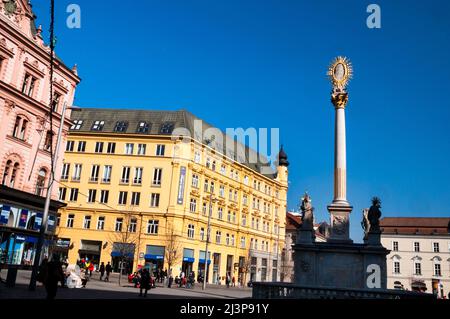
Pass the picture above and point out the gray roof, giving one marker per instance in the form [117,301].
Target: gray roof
[156,120]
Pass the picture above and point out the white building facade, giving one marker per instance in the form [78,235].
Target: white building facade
[420,254]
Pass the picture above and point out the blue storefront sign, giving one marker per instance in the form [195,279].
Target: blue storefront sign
[202,261]
[119,254]
[38,221]
[154,257]
[23,218]
[188,259]
[5,214]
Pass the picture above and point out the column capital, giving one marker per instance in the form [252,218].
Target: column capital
[339,99]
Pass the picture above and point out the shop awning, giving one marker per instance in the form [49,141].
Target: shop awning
[188,259]
[202,261]
[119,254]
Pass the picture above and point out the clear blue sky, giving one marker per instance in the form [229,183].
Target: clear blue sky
[263,64]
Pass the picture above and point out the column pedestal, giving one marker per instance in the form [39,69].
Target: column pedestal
[340,224]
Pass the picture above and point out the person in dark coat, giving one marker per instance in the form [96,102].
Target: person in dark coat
[102,270]
[108,269]
[144,282]
[52,275]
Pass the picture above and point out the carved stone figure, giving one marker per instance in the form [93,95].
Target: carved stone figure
[365,224]
[374,215]
[307,213]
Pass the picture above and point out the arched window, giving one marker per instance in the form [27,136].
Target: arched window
[40,183]
[11,220]
[10,173]
[30,224]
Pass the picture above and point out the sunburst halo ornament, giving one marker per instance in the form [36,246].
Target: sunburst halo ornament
[340,72]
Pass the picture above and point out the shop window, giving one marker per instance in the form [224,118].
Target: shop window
[40,182]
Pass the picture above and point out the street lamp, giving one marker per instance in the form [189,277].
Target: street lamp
[40,243]
[211,199]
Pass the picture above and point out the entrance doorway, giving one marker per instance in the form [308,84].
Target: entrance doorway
[216,269]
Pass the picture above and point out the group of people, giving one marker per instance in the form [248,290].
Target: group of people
[184,281]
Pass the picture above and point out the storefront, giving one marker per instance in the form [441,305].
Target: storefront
[62,247]
[90,251]
[122,257]
[216,269]
[154,257]
[201,266]
[21,218]
[188,261]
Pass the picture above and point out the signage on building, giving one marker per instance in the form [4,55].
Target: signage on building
[23,218]
[141,255]
[181,185]
[65,243]
[5,214]
[38,221]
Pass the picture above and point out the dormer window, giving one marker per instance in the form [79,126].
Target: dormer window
[143,127]
[97,126]
[121,126]
[76,124]
[167,128]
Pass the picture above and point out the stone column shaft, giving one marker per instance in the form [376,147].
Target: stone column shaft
[340,164]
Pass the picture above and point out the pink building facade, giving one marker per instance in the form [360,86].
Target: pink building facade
[25,132]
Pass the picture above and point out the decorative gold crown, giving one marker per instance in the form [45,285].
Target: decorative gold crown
[340,72]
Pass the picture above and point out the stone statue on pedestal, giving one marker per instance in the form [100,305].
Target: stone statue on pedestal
[371,223]
[307,213]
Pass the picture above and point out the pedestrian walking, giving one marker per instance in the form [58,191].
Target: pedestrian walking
[108,269]
[227,280]
[233,282]
[144,282]
[52,273]
[102,270]
[170,281]
[91,268]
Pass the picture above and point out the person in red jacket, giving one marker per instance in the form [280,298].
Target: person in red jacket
[91,268]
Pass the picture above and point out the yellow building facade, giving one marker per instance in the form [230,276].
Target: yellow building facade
[136,189]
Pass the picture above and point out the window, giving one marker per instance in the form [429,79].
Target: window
[48,141]
[81,146]
[20,128]
[218,236]
[230,194]
[40,182]
[111,148]
[242,242]
[245,199]
[235,196]
[125,175]
[190,232]
[121,126]
[416,246]
[104,194]
[56,101]
[73,194]
[220,213]
[141,149]
[133,225]
[417,268]
[101,223]
[70,219]
[213,165]
[157,173]
[65,171]
[195,180]
[69,146]
[107,174]
[229,217]
[76,125]
[227,239]
[166,128]
[208,162]
[92,194]
[99,147]
[152,227]
[436,247]
[123,198]
[62,193]
[94,173]
[97,125]
[437,269]
[244,220]
[396,267]
[129,148]
[77,172]
[154,200]
[246,180]
[119,222]
[138,175]
[197,157]
[143,127]
[202,233]
[87,222]
[222,191]
[28,86]
[135,198]
[223,169]
[253,222]
[204,209]
[193,205]
[395,246]
[257,224]
[211,189]
[205,185]
[160,149]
